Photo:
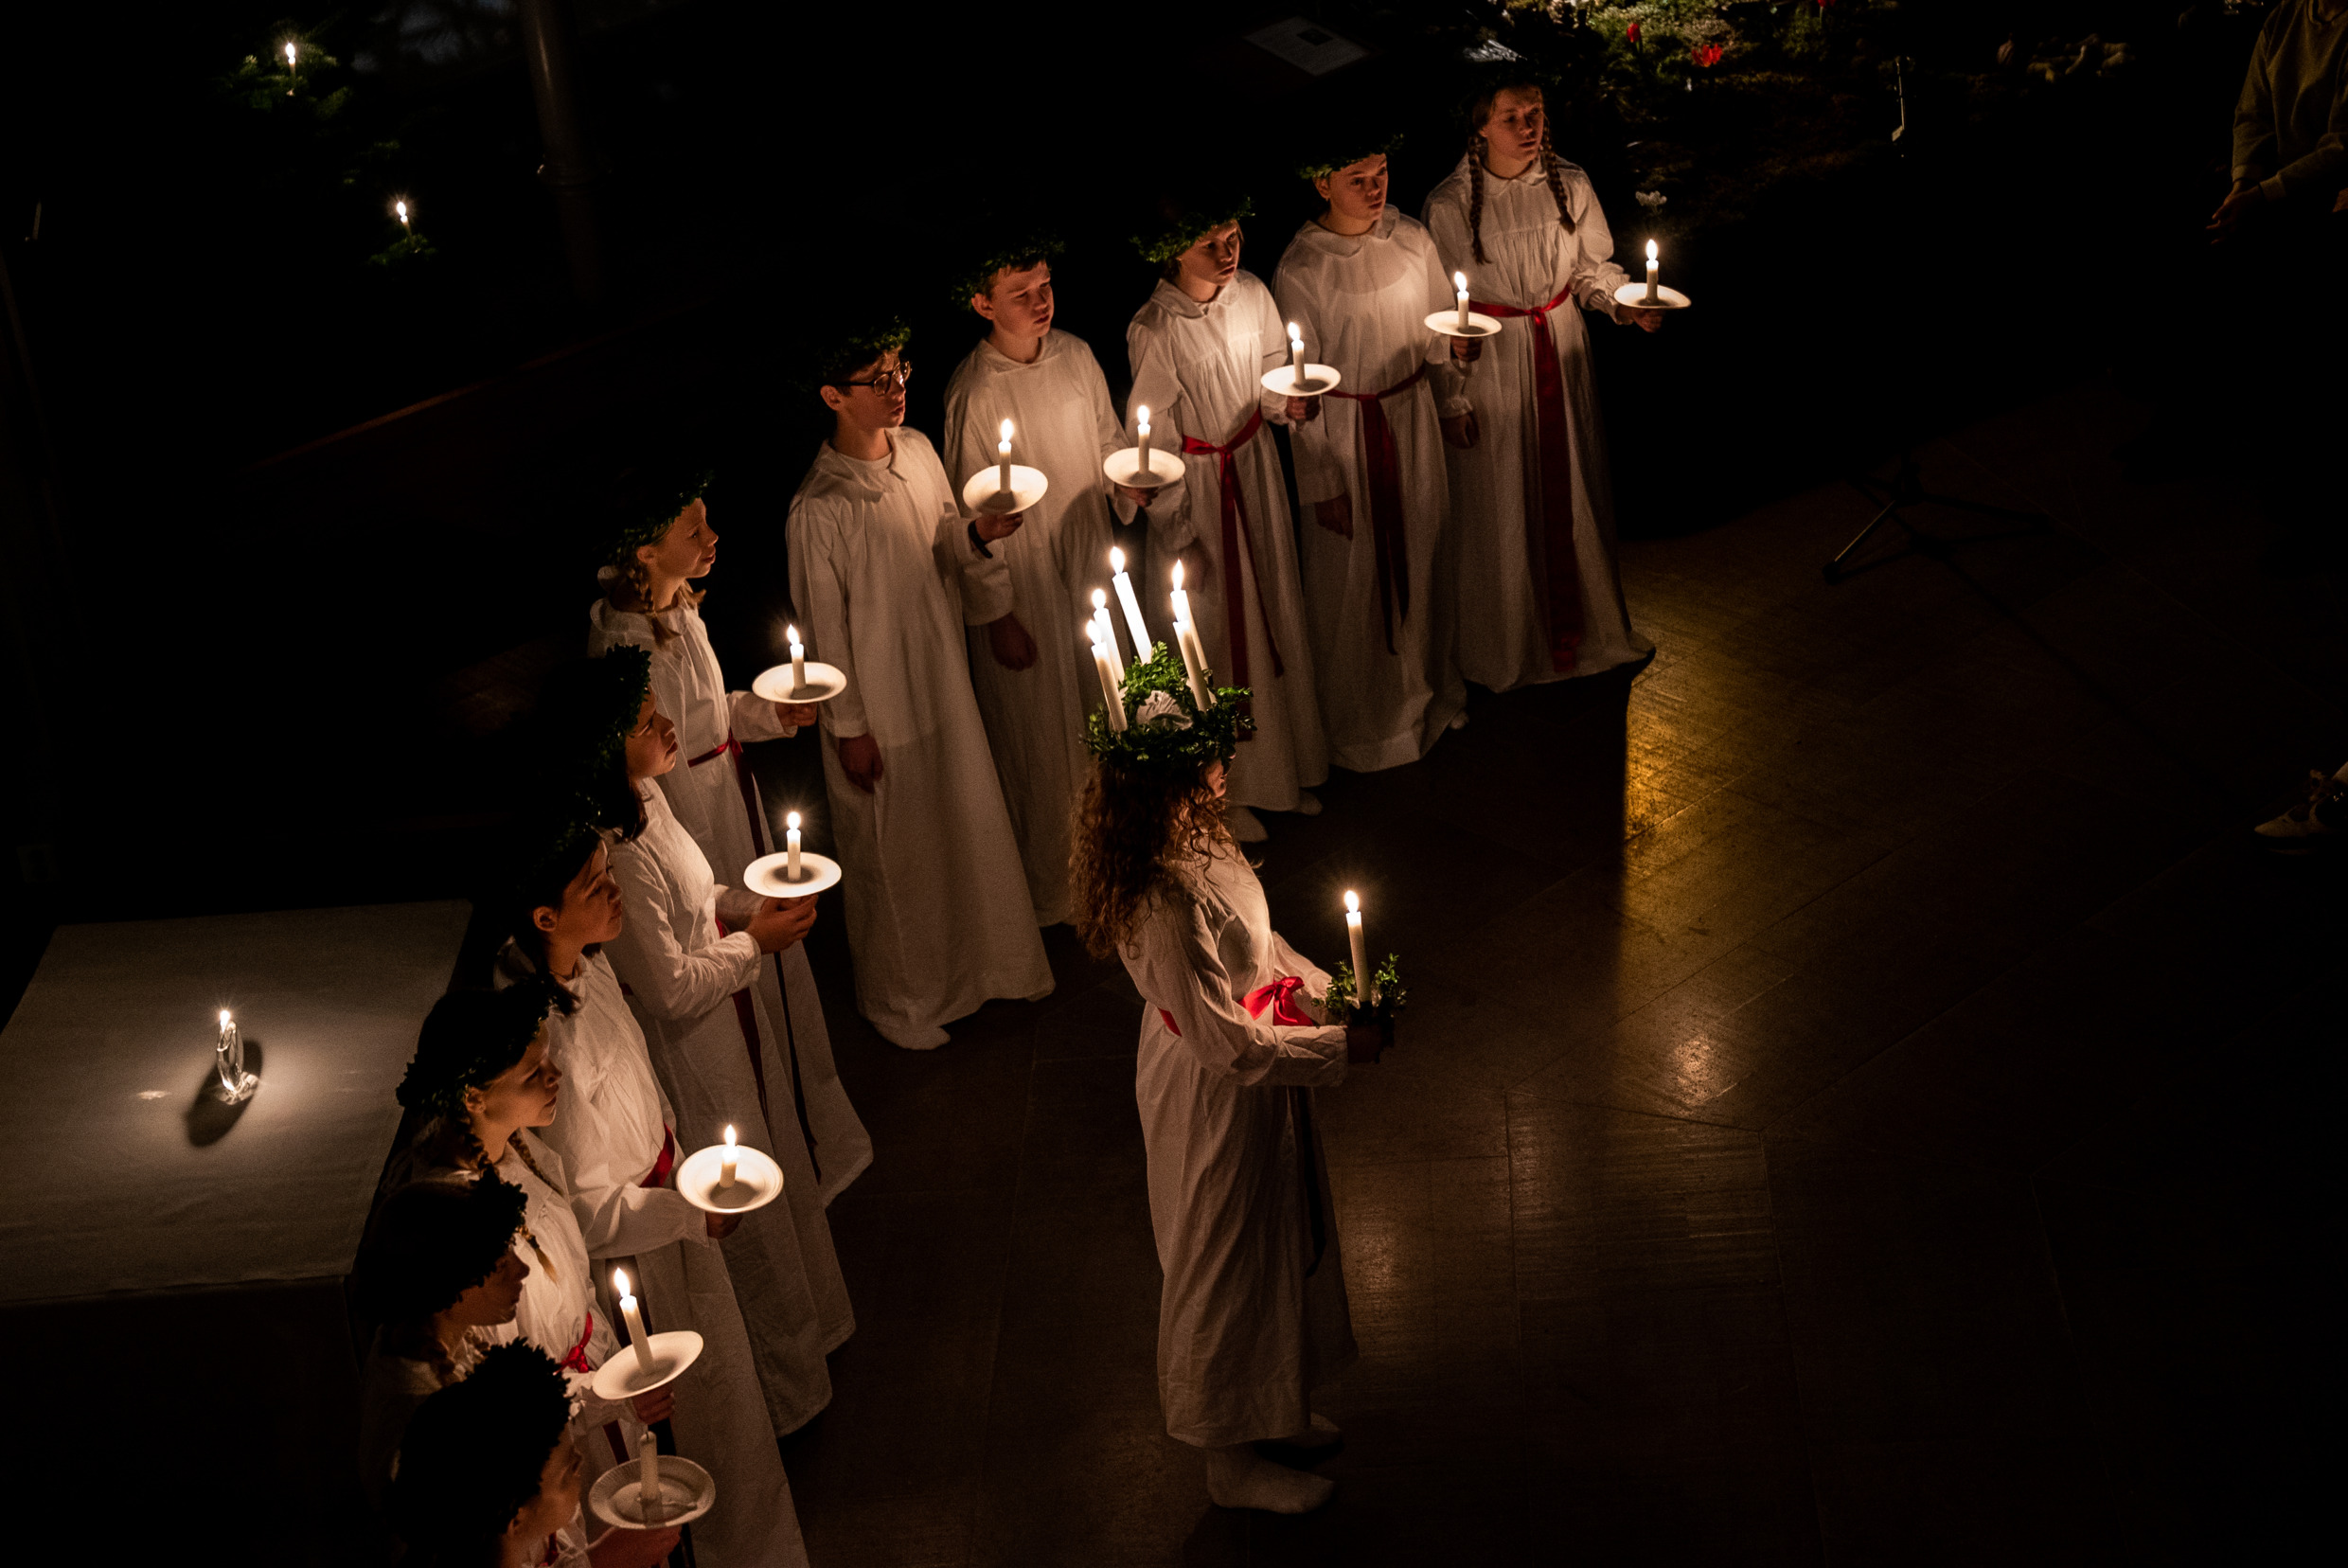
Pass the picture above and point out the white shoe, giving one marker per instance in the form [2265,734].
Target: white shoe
[2311,825]
[1244,824]
[1236,1478]
[1459,720]
[1308,804]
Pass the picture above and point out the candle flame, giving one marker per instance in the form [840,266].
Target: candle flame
[1459,282]
[1117,559]
[729,1134]
[619,1282]
[790,633]
[1353,902]
[790,820]
[288,54]
[1144,416]
[1100,599]
[1650,250]
[224,1018]
[1007,430]
[401,208]
[1177,574]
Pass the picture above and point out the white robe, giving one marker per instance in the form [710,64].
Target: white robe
[1198,368]
[610,1129]
[1247,1325]
[716,802]
[1383,658]
[696,996]
[1064,425]
[1500,585]
[885,578]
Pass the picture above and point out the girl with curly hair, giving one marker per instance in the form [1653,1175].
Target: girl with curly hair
[1253,1317]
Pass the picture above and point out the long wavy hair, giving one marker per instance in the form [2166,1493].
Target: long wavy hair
[1139,832]
[1479,109]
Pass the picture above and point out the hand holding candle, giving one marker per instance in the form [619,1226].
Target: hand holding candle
[1132,606]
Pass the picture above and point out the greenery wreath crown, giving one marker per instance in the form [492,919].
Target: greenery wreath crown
[646,501]
[1166,729]
[836,358]
[1353,152]
[475,1452]
[434,1240]
[1184,227]
[1016,253]
[467,1040]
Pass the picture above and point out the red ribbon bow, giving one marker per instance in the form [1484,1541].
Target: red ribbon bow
[574,1359]
[1552,511]
[1236,526]
[1385,462]
[1280,996]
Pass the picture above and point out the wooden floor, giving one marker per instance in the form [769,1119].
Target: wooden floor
[1862,1102]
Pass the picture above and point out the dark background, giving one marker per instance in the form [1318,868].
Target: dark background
[290,532]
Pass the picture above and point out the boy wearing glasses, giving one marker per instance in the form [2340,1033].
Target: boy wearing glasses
[1034,684]
[886,573]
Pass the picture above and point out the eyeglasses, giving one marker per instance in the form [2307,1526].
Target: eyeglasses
[886,380]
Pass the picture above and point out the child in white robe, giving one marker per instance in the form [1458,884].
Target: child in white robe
[1360,279]
[655,552]
[1252,1315]
[1539,594]
[491,1473]
[703,996]
[1034,682]
[615,1134]
[1200,347]
[886,572]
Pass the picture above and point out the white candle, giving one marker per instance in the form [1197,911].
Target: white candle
[790,846]
[1361,963]
[1181,600]
[1132,605]
[798,659]
[728,1160]
[1459,282]
[1105,632]
[1654,272]
[1296,355]
[1142,431]
[1112,701]
[405,227]
[1188,640]
[1003,449]
[649,1501]
[636,1336]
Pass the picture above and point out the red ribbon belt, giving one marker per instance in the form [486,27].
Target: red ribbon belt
[741,777]
[1280,996]
[668,1160]
[1235,527]
[574,1359]
[1555,507]
[1384,463]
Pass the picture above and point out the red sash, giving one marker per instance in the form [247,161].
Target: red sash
[741,777]
[1235,527]
[1549,516]
[667,1162]
[1384,463]
[574,1359]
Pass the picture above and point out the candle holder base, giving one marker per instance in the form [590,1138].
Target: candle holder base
[757,1180]
[1479,325]
[1125,467]
[1667,298]
[824,682]
[1318,379]
[766,875]
[983,494]
[232,1088]
[687,1492]
[625,1376]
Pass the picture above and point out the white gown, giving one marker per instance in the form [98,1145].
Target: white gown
[1064,425]
[611,1130]
[716,802]
[885,578]
[1381,630]
[1505,622]
[699,998]
[1197,369]
[1247,1325]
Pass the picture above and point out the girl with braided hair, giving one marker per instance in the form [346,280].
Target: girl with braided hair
[1538,597]
[490,1476]
[616,1139]
[481,1083]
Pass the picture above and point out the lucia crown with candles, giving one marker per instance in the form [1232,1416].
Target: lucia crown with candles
[1164,726]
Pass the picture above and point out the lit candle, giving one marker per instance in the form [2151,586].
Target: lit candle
[1105,632]
[1112,701]
[1361,962]
[1296,355]
[1459,282]
[1193,651]
[1003,450]
[290,71]
[726,1161]
[649,1501]
[1142,432]
[790,846]
[229,1053]
[1654,272]
[407,228]
[1182,599]
[636,1336]
[798,659]
[1132,605]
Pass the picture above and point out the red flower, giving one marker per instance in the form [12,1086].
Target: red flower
[1707,55]
[1631,32]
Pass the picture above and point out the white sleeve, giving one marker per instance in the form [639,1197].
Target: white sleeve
[666,980]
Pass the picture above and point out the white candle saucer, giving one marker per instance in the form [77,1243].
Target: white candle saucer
[1319,379]
[624,1376]
[1635,294]
[1125,467]
[1479,325]
[757,1180]
[824,682]
[766,875]
[982,492]
[687,1492]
